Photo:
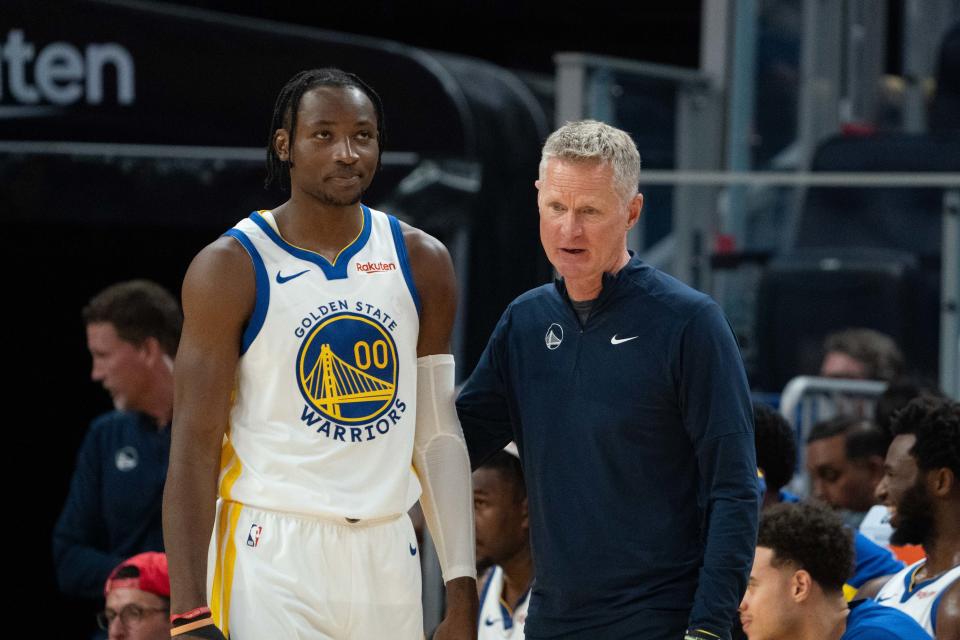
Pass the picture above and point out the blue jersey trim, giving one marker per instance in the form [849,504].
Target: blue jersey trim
[404,261]
[262,281]
[507,618]
[483,595]
[907,591]
[338,269]
[933,609]
[907,579]
[936,604]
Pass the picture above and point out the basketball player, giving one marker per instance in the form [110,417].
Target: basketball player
[503,542]
[313,372]
[803,555]
[921,486]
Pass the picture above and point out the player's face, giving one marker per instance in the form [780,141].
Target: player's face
[583,219]
[904,494]
[766,610]
[140,615]
[840,482]
[840,365]
[501,518]
[335,154]
[120,366]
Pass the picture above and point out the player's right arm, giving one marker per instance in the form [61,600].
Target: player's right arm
[218,298]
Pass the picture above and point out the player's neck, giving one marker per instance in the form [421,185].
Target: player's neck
[158,403]
[826,621]
[517,574]
[943,550]
[322,228]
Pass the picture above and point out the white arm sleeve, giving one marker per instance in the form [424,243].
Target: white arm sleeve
[443,466]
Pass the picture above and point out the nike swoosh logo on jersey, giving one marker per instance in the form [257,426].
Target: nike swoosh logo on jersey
[413,550]
[616,340]
[281,279]
[489,622]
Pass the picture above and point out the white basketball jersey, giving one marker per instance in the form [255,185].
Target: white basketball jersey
[919,601]
[497,619]
[323,418]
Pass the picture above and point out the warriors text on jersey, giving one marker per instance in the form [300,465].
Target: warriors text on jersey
[324,413]
[919,600]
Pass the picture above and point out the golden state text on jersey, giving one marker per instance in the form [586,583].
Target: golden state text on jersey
[324,411]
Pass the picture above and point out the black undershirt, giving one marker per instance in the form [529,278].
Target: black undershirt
[582,308]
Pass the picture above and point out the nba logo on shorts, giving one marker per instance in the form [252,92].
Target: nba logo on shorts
[253,538]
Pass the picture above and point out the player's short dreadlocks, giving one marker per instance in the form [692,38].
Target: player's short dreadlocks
[288,103]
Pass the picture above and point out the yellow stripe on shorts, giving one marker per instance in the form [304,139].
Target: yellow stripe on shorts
[229,514]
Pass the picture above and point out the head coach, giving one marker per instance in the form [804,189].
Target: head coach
[625,392]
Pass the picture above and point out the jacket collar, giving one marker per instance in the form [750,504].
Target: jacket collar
[609,282]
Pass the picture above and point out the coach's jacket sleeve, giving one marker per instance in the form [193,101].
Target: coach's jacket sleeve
[718,415]
[483,404]
[80,533]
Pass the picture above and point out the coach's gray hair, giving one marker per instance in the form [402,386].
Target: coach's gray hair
[592,141]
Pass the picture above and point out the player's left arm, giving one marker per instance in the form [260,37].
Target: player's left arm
[948,612]
[440,453]
[718,416]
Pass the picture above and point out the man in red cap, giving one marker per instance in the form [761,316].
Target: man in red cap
[138,599]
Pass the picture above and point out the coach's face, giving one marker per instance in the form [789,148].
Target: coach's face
[123,368]
[584,222]
[336,150]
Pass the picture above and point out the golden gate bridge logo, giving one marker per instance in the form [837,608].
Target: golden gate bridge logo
[347,369]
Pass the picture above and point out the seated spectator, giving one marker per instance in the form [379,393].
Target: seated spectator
[112,510]
[138,599]
[861,354]
[503,545]
[921,486]
[776,456]
[845,464]
[795,591]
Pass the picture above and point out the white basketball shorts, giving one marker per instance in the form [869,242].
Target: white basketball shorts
[290,576]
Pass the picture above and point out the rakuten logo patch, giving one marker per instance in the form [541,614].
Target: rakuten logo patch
[375,267]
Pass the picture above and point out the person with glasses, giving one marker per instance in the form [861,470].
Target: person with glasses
[138,599]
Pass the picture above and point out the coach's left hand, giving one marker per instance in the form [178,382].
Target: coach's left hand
[460,623]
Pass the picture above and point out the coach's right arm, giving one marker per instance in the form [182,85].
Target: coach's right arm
[218,299]
[483,405]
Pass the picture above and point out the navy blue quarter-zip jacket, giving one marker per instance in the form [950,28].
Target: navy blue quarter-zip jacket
[113,509]
[635,431]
